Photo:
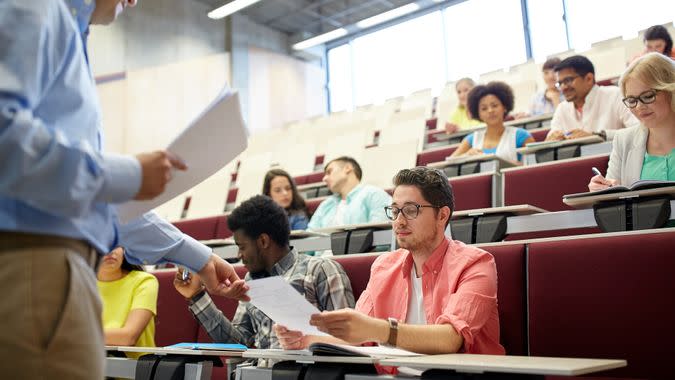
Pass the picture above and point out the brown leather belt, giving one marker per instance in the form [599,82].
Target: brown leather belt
[11,241]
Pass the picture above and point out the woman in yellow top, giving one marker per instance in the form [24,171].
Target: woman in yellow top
[461,118]
[129,302]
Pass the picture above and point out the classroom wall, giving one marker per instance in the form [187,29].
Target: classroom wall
[147,107]
[155,33]
[282,89]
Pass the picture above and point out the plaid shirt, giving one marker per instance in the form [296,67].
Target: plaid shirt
[322,281]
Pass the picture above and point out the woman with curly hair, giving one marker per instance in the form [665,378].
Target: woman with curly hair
[491,103]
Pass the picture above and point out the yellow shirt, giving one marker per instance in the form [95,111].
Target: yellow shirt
[136,290]
[461,117]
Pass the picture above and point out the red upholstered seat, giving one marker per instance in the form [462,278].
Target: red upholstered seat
[200,229]
[222,229]
[357,268]
[313,204]
[511,297]
[434,155]
[174,322]
[544,185]
[540,135]
[315,177]
[232,195]
[605,297]
[473,191]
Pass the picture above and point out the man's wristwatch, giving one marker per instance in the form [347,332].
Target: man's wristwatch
[393,331]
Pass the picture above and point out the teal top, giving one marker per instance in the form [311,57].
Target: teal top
[659,168]
[365,204]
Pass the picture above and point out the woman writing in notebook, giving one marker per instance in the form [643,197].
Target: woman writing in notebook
[646,152]
[491,103]
[129,298]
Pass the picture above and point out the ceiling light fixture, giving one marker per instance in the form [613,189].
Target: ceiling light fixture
[230,8]
[389,15]
[320,39]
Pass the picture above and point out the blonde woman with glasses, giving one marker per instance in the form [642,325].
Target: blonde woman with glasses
[646,152]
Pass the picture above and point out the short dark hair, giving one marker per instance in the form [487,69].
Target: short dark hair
[551,63]
[298,202]
[261,215]
[499,89]
[349,160]
[658,32]
[580,64]
[432,183]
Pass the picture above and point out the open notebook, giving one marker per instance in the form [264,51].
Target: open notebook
[328,349]
[639,185]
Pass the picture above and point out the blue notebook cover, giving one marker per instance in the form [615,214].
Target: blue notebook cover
[211,346]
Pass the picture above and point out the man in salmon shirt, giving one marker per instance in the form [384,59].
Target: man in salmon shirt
[432,296]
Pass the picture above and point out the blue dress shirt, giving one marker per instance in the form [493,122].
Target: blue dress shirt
[55,178]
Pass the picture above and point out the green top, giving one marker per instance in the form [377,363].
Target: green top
[659,168]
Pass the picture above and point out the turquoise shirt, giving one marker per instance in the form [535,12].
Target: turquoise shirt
[659,168]
[365,204]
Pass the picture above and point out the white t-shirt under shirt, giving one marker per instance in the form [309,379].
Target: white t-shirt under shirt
[415,313]
[339,219]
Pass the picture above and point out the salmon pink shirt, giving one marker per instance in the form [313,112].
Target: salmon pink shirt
[459,287]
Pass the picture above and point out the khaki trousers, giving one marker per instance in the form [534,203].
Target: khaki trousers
[50,315]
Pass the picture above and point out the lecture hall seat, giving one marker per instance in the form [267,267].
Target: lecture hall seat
[605,297]
[543,185]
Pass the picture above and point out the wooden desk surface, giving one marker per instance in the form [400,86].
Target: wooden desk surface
[508,364]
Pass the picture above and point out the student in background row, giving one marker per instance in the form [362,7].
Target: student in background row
[658,40]
[129,298]
[491,103]
[547,100]
[589,109]
[279,186]
[646,152]
[433,295]
[461,118]
[261,232]
[351,202]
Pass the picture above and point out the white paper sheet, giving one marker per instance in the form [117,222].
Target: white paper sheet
[211,141]
[283,304]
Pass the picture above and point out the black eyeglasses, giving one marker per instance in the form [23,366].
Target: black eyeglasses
[646,97]
[410,210]
[567,81]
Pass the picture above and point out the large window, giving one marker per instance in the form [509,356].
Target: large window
[399,60]
[474,37]
[484,35]
[547,27]
[340,78]
[590,21]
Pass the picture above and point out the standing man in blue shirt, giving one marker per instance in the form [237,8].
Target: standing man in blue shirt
[56,190]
